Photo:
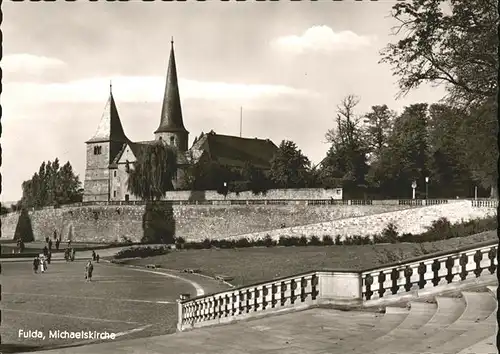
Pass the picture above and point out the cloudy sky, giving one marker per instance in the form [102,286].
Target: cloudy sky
[287,64]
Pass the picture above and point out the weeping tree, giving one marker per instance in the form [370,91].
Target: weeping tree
[150,178]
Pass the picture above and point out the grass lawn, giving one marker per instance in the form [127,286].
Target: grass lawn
[251,265]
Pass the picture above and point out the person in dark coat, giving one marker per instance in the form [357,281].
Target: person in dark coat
[93,255]
[45,251]
[73,252]
[50,245]
[58,242]
[47,239]
[97,258]
[21,246]
[55,235]
[36,263]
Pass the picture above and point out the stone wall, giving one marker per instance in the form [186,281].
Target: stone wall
[193,222]
[413,221]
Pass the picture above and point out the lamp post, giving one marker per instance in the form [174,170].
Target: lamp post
[426,187]
[225,190]
[414,186]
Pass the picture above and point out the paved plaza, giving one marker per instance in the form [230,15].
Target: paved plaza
[130,302]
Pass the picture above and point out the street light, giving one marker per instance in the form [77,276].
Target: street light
[414,186]
[426,187]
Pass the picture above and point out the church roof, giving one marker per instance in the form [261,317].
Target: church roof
[110,127]
[235,151]
[138,147]
[171,112]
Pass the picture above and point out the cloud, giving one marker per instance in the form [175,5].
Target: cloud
[323,38]
[138,89]
[29,63]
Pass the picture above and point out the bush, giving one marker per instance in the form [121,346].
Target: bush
[327,240]
[303,241]
[242,243]
[390,233]
[269,242]
[314,241]
[141,252]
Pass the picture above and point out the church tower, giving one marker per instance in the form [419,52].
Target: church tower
[171,129]
[101,151]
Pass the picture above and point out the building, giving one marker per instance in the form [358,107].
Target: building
[109,151]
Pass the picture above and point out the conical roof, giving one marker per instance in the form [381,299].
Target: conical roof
[171,112]
[110,127]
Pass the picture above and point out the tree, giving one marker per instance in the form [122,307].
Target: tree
[255,178]
[406,157]
[346,160]
[52,185]
[449,172]
[153,171]
[456,46]
[289,166]
[378,125]
[480,144]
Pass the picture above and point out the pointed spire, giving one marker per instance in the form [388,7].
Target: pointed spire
[171,112]
[110,127]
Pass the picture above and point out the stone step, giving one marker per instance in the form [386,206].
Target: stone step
[486,346]
[479,306]
[448,311]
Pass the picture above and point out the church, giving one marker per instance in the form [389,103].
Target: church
[109,151]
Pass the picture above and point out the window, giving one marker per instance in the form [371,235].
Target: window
[114,174]
[114,193]
[126,197]
[97,150]
[160,138]
[172,140]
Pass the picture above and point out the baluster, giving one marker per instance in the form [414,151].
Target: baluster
[485,261]
[314,286]
[241,302]
[285,292]
[308,287]
[235,303]
[443,272]
[277,294]
[293,291]
[401,280]
[368,281]
[257,294]
[471,265]
[463,266]
[221,307]
[249,301]
[394,276]
[265,293]
[227,305]
[385,283]
[435,267]
[478,258]
[492,256]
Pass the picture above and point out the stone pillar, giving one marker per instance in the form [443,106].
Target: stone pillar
[180,321]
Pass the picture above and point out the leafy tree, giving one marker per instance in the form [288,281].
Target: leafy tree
[378,125]
[52,185]
[256,178]
[480,144]
[449,173]
[452,43]
[406,157]
[346,160]
[289,166]
[152,174]
[24,229]
[3,210]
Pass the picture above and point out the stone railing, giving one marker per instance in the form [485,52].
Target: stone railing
[424,273]
[485,203]
[409,202]
[345,288]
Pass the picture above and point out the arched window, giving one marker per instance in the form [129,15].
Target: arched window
[172,140]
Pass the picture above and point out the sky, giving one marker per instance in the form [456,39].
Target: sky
[287,64]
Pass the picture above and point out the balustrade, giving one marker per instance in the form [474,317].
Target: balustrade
[428,273]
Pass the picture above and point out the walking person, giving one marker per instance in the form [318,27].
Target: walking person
[50,245]
[55,235]
[21,246]
[89,268]
[45,251]
[42,264]
[93,255]
[58,242]
[97,258]
[73,253]
[36,263]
